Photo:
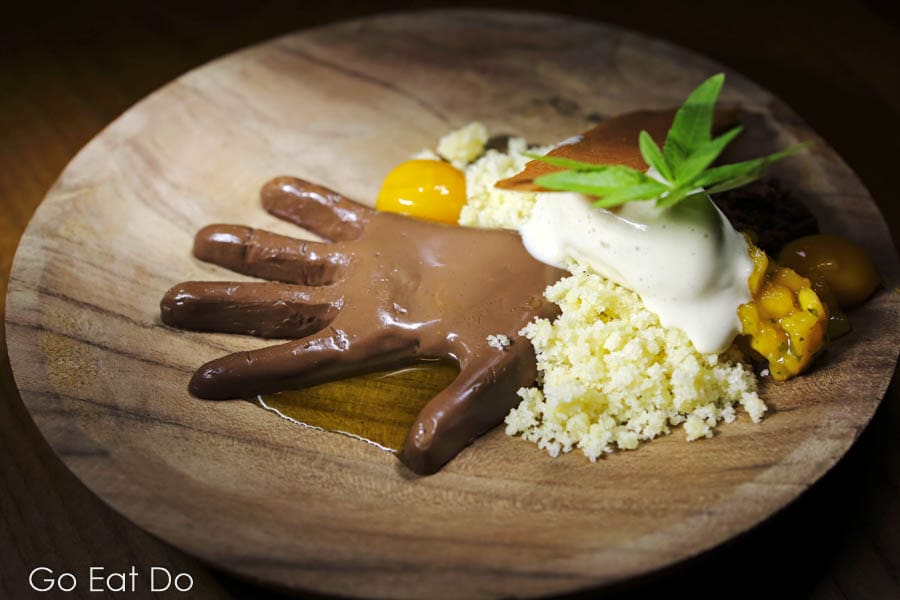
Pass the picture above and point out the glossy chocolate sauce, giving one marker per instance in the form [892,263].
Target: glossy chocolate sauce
[388,291]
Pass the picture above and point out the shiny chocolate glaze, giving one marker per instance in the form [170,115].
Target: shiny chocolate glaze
[387,291]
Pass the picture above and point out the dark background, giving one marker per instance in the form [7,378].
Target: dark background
[68,69]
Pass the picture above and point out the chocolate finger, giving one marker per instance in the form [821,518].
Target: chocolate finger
[269,310]
[268,255]
[478,399]
[333,353]
[314,207]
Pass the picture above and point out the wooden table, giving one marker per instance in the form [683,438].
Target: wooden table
[66,74]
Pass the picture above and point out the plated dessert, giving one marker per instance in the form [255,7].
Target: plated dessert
[593,297]
[318,512]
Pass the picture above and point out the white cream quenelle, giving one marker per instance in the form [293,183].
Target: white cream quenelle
[687,263]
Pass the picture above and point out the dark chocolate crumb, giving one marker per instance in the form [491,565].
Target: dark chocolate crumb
[771,214]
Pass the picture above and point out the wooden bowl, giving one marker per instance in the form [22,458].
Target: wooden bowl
[311,510]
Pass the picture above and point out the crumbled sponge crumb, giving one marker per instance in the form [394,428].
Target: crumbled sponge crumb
[498,341]
[488,206]
[464,145]
[613,376]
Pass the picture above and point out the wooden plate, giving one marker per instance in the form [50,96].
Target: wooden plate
[312,510]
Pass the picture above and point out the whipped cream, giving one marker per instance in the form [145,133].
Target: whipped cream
[687,263]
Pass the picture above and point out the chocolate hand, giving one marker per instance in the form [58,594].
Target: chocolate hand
[387,291]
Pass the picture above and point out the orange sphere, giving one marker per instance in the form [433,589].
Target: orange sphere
[426,189]
[838,263]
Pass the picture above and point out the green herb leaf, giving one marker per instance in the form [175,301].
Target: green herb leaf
[597,182]
[671,198]
[647,190]
[683,163]
[703,156]
[738,174]
[693,122]
[566,163]
[652,155]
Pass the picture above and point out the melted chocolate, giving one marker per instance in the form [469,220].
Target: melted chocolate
[388,291]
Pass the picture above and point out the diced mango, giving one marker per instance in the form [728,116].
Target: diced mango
[789,279]
[760,266]
[786,320]
[809,301]
[776,300]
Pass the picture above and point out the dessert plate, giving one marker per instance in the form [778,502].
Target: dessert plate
[316,511]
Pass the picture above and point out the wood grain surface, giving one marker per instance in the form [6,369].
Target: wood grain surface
[130,203]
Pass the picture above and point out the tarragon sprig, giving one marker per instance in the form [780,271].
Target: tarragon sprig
[683,164]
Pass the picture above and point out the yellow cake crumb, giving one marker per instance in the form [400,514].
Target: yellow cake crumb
[491,207]
[612,376]
[498,341]
[464,145]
